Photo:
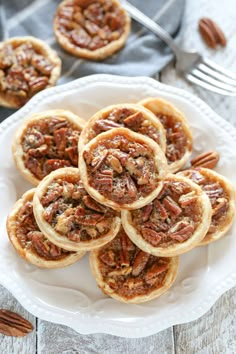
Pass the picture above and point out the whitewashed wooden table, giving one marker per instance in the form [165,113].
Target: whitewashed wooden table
[215,332]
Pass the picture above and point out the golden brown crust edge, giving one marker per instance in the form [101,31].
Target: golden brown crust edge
[169,280]
[84,137]
[53,235]
[7,100]
[98,54]
[230,190]
[27,255]
[158,105]
[159,158]
[17,150]
[176,249]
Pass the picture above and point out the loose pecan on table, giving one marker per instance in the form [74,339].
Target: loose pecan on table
[12,324]
[211,33]
[207,159]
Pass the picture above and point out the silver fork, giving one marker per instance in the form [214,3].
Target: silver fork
[192,65]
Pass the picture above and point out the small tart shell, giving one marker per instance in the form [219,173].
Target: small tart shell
[158,157]
[230,216]
[160,106]
[175,249]
[169,280]
[97,54]
[12,101]
[52,234]
[29,255]
[88,132]
[17,151]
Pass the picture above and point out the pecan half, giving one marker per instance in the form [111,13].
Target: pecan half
[151,236]
[152,274]
[12,324]
[181,231]
[207,159]
[140,263]
[211,33]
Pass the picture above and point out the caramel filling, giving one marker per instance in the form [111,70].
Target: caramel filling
[49,144]
[176,139]
[23,71]
[90,24]
[31,238]
[121,169]
[218,197]
[171,218]
[127,118]
[129,271]
[73,213]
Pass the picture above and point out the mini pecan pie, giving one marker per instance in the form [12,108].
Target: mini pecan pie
[27,66]
[69,216]
[178,134]
[92,29]
[174,222]
[45,142]
[222,197]
[131,116]
[128,274]
[122,169]
[30,243]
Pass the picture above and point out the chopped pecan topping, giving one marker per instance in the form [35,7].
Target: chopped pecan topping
[49,144]
[140,275]
[90,26]
[121,169]
[24,71]
[31,238]
[73,213]
[171,218]
[207,159]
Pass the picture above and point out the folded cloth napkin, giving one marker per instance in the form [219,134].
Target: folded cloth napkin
[143,55]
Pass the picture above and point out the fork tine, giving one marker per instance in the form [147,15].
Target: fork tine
[216,75]
[208,79]
[207,86]
[219,68]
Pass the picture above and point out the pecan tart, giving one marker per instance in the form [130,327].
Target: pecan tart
[27,66]
[131,116]
[69,216]
[122,169]
[130,275]
[91,29]
[45,142]
[174,222]
[221,193]
[30,243]
[178,135]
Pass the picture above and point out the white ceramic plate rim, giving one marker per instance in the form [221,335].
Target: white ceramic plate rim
[90,324]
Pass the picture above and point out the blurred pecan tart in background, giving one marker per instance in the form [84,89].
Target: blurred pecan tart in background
[45,142]
[69,216]
[92,29]
[128,274]
[221,193]
[174,222]
[30,243]
[131,116]
[27,66]
[122,169]
[178,134]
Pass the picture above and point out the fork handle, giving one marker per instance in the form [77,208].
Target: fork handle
[151,25]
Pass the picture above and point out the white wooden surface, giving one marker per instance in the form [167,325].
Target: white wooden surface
[215,332]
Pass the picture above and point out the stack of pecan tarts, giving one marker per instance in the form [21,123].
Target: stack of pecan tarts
[120,186]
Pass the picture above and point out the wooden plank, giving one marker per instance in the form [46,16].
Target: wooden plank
[214,332]
[13,345]
[54,339]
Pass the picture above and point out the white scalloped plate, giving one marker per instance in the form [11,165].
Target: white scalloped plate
[70,296]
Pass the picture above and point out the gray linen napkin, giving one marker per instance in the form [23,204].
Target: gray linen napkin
[143,55]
